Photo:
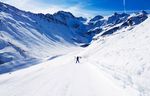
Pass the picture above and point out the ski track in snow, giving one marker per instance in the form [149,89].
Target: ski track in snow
[57,78]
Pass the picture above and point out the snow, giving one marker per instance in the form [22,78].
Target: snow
[116,63]
[27,37]
[60,78]
[125,56]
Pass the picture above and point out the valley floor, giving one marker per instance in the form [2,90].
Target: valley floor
[61,77]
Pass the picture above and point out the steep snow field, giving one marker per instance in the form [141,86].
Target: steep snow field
[27,38]
[125,56]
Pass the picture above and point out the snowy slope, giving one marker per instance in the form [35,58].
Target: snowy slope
[114,65]
[61,77]
[26,38]
[125,56]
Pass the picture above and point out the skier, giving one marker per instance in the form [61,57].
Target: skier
[130,22]
[77,59]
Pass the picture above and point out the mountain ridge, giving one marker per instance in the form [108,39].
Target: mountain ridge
[26,36]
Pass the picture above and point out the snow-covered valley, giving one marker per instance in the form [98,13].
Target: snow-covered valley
[38,54]
[27,38]
[60,77]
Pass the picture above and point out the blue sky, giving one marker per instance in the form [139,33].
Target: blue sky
[85,8]
[105,4]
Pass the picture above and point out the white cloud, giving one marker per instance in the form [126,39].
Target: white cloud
[40,7]
[17,3]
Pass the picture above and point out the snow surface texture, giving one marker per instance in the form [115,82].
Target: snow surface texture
[125,55]
[61,77]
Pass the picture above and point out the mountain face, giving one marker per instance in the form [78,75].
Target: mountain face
[109,25]
[26,38]
[124,55]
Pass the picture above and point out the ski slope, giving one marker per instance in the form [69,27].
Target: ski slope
[125,56]
[60,77]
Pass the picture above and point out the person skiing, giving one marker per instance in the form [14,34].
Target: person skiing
[77,59]
[130,22]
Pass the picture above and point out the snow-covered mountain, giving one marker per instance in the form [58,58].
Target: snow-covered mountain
[113,65]
[125,56]
[116,62]
[110,24]
[27,38]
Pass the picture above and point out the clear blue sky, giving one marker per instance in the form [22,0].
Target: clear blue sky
[116,5]
[85,8]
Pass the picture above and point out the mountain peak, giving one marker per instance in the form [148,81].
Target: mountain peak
[144,12]
[64,14]
[98,17]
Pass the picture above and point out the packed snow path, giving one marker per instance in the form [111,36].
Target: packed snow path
[59,77]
